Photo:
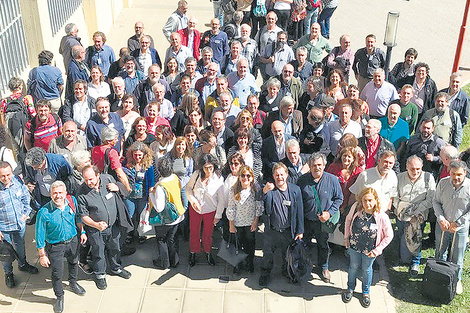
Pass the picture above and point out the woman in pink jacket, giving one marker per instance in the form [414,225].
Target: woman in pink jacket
[366,233]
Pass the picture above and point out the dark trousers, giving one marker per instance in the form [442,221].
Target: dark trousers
[104,246]
[246,238]
[274,240]
[56,253]
[167,245]
[283,18]
[313,230]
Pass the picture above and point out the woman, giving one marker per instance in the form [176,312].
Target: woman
[245,206]
[209,146]
[349,140]
[16,86]
[366,234]
[164,142]
[171,70]
[154,119]
[205,194]
[97,87]
[243,145]
[245,120]
[191,134]
[195,118]
[141,174]
[269,100]
[168,189]
[139,133]
[189,103]
[360,107]
[127,113]
[336,89]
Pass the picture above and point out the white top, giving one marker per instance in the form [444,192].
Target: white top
[145,61]
[334,131]
[95,91]
[6,155]
[158,198]
[81,113]
[281,5]
[209,197]
[128,124]
[166,110]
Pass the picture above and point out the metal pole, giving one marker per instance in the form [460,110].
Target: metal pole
[388,57]
[458,50]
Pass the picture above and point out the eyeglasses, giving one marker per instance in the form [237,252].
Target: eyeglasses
[246,176]
[235,163]
[208,167]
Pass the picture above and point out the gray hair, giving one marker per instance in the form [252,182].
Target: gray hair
[273,81]
[190,59]
[69,28]
[76,50]
[458,164]
[108,134]
[451,152]
[301,49]
[58,183]
[207,49]
[376,122]
[35,156]
[154,87]
[317,155]
[286,101]
[412,158]
[79,157]
[455,74]
[118,79]
[291,143]
[379,71]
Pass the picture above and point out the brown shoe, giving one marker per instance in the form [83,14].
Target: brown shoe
[325,276]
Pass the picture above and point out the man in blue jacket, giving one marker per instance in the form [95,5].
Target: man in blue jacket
[322,197]
[284,220]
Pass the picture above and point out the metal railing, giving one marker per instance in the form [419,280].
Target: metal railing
[13,51]
[60,11]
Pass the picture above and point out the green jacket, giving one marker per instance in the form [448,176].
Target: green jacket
[315,52]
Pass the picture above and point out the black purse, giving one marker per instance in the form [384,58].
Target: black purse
[231,252]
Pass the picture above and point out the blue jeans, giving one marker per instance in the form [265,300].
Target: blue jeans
[135,208]
[324,20]
[405,254]
[16,238]
[312,17]
[457,256]
[356,260]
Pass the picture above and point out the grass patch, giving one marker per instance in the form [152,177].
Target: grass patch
[466,130]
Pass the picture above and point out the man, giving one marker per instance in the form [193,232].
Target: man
[207,84]
[118,67]
[166,107]
[366,61]
[177,20]
[378,94]
[276,55]
[206,59]
[249,47]
[409,110]
[287,115]
[403,69]
[67,42]
[229,61]
[451,204]
[303,67]
[15,209]
[412,203]
[290,85]
[131,77]
[100,54]
[146,56]
[342,57]
[253,107]
[267,34]
[427,146]
[333,131]
[119,90]
[284,220]
[40,130]
[42,169]
[77,70]
[447,123]
[311,138]
[216,39]
[143,91]
[322,197]
[45,81]
[459,100]
[101,119]
[394,129]
[191,37]
[183,87]
[274,148]
[69,142]
[315,43]
[56,238]
[102,217]
[373,144]
[178,51]
[230,111]
[381,177]
[80,107]
[133,43]
[213,99]
[190,65]
[242,82]
[295,161]
[224,134]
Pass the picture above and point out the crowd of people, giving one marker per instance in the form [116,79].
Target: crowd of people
[303,155]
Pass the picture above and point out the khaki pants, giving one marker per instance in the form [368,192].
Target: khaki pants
[361,82]
[55,105]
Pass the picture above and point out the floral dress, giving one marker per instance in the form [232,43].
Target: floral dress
[364,233]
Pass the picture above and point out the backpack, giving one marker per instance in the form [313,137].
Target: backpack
[16,117]
[167,216]
[33,125]
[297,263]
[107,165]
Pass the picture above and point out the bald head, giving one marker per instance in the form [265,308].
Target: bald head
[277,129]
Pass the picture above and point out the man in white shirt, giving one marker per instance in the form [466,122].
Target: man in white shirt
[177,50]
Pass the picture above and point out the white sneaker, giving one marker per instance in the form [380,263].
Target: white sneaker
[459,288]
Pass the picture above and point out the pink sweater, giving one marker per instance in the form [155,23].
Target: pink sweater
[384,229]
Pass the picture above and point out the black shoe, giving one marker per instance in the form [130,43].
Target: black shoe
[59,305]
[76,288]
[210,259]
[85,267]
[101,283]
[122,273]
[10,280]
[346,296]
[365,300]
[28,268]
[263,280]
[192,259]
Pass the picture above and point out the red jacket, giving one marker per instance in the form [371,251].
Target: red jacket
[184,33]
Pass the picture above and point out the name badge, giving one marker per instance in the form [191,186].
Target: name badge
[373,226]
[111,125]
[447,123]
[141,175]
[98,61]
[286,203]
[109,196]
[275,109]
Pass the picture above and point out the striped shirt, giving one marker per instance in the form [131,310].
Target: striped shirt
[44,132]
[14,203]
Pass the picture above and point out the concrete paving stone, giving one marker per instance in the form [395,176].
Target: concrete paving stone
[166,300]
[203,276]
[174,278]
[236,302]
[121,299]
[332,302]
[138,278]
[9,300]
[36,298]
[202,301]
[89,303]
[277,303]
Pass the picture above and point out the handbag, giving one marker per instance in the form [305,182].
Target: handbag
[7,252]
[167,216]
[260,9]
[144,228]
[231,252]
[330,225]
